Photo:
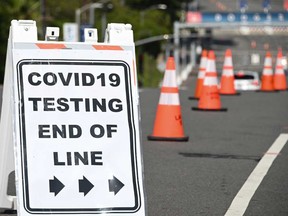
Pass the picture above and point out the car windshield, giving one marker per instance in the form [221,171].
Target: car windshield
[243,77]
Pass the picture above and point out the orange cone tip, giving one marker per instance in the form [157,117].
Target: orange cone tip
[228,53]
[170,64]
[204,53]
[211,55]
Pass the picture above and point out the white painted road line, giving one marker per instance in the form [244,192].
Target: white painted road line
[243,197]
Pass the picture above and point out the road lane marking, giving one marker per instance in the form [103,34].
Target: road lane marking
[245,194]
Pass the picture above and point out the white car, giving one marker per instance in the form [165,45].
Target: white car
[246,80]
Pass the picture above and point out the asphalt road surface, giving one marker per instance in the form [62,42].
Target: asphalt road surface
[203,176]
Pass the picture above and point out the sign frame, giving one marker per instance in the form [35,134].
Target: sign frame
[127,72]
[117,108]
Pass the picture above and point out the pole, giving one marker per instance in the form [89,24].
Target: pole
[78,21]
[91,16]
[176,46]
[91,7]
[43,16]
[103,23]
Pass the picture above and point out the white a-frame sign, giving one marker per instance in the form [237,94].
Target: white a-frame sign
[70,111]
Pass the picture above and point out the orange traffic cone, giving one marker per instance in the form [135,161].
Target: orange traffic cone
[210,98]
[227,78]
[267,74]
[168,121]
[201,75]
[279,79]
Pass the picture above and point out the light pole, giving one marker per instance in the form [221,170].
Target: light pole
[153,7]
[140,55]
[106,8]
[43,16]
[91,7]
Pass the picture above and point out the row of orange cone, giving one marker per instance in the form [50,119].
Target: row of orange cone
[276,81]
[168,124]
[207,88]
[227,79]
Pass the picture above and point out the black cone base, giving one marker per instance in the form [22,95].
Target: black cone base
[212,110]
[193,98]
[266,91]
[179,139]
[236,94]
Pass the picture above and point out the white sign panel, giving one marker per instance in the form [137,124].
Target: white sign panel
[78,135]
[255,59]
[70,32]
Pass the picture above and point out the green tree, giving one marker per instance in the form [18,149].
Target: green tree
[9,10]
[59,12]
[146,22]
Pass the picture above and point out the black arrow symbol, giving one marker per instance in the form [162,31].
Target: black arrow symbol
[115,185]
[85,185]
[55,186]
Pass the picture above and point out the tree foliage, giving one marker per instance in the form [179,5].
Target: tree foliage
[146,20]
[9,10]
